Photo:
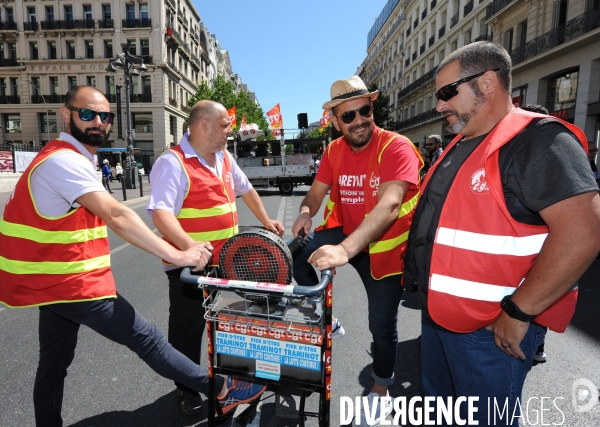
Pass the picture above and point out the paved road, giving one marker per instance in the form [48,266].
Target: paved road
[108,386]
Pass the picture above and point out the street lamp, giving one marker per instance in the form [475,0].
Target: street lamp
[47,117]
[132,65]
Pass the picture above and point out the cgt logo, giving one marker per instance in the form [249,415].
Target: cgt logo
[584,395]
[228,177]
[478,183]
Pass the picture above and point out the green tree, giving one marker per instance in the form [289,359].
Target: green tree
[382,110]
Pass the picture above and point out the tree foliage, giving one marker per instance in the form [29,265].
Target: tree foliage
[382,110]
[223,91]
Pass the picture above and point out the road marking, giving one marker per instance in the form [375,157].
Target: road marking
[281,209]
[2,309]
[124,245]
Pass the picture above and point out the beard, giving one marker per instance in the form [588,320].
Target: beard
[359,141]
[84,136]
[462,120]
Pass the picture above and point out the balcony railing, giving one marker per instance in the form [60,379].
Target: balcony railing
[50,99]
[68,24]
[374,74]
[173,102]
[111,97]
[495,7]
[30,26]
[147,59]
[576,27]
[172,66]
[454,20]
[145,97]
[416,23]
[431,40]
[485,37]
[433,4]
[442,31]
[425,78]
[8,62]
[171,3]
[106,23]
[136,23]
[10,99]
[418,119]
[176,37]
[468,8]
[8,26]
[423,14]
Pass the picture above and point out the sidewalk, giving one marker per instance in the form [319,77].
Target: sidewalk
[8,182]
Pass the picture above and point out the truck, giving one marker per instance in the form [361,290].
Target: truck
[275,168]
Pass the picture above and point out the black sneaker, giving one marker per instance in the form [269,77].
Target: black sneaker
[190,403]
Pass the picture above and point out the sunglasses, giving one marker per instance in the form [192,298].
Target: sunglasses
[349,116]
[87,115]
[449,91]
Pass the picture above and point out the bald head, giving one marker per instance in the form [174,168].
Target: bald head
[205,110]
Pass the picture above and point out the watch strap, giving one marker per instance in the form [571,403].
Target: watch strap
[513,310]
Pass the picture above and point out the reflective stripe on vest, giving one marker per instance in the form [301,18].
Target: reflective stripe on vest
[54,267]
[45,236]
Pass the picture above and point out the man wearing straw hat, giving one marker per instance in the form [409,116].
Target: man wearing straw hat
[373,176]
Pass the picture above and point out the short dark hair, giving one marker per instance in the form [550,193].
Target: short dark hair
[72,94]
[481,56]
[535,108]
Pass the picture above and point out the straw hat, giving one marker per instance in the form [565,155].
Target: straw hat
[349,89]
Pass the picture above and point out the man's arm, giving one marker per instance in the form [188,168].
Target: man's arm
[310,206]
[130,227]
[391,195]
[572,244]
[169,227]
[252,199]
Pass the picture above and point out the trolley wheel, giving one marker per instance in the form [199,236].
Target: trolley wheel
[286,186]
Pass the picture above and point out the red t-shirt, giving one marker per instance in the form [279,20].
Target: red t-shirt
[398,162]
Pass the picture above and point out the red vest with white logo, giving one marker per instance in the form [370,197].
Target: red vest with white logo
[480,253]
[45,260]
[387,251]
[208,213]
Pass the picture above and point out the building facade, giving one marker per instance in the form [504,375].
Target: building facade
[49,46]
[554,46]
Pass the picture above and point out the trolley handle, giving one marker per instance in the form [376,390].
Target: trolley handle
[326,277]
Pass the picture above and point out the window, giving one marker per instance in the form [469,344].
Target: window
[12,123]
[562,91]
[89,49]
[35,81]
[508,40]
[87,12]
[130,12]
[522,34]
[173,124]
[52,50]
[145,44]
[14,86]
[106,13]
[50,13]
[10,16]
[53,85]
[519,96]
[110,87]
[134,85]
[142,122]
[91,81]
[31,14]
[3,91]
[132,47]
[70,49]
[47,123]
[144,12]
[146,85]
[12,51]
[33,50]
[71,81]
[1,50]
[69,13]
[108,48]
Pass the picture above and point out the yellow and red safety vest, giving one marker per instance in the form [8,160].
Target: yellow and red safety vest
[480,253]
[386,252]
[45,260]
[208,213]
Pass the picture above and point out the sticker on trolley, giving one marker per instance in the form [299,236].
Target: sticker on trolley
[268,370]
[270,329]
[292,354]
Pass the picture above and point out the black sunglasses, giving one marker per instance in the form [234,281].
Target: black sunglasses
[449,91]
[88,115]
[349,116]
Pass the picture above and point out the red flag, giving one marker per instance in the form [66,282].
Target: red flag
[231,113]
[243,126]
[275,119]
[324,118]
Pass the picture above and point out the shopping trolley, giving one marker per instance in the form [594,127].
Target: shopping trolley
[261,327]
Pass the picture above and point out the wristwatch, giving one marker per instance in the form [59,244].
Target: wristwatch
[513,310]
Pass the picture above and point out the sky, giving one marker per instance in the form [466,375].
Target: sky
[290,52]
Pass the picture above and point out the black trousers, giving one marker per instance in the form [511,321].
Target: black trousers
[186,319]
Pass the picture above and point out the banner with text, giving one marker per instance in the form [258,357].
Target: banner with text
[275,119]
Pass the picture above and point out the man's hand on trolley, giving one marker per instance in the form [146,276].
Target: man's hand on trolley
[329,256]
[198,255]
[303,222]
[275,226]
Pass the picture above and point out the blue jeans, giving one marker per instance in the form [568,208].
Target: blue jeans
[116,320]
[455,364]
[383,299]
